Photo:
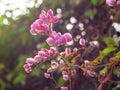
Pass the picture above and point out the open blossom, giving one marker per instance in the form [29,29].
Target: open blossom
[54,65]
[58,39]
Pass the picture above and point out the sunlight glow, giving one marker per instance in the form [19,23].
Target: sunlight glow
[17,6]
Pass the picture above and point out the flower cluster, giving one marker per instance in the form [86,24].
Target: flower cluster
[66,60]
[43,25]
[41,56]
[112,2]
[57,39]
[59,60]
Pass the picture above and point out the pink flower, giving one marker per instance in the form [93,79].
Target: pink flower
[68,37]
[66,77]
[54,65]
[37,58]
[82,42]
[48,17]
[55,36]
[73,72]
[110,2]
[42,54]
[50,41]
[49,70]
[53,50]
[47,53]
[50,13]
[64,72]
[47,75]
[30,61]
[64,88]
[43,25]
[27,68]
[61,62]
[55,19]
[67,50]
[61,41]
[118,2]
[58,39]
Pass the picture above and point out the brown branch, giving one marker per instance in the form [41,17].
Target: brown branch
[106,80]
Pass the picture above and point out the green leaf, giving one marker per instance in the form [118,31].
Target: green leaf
[90,13]
[117,87]
[104,70]
[106,51]
[19,79]
[36,72]
[94,2]
[116,71]
[61,82]
[110,41]
[2,66]
[9,76]
[2,85]
[118,53]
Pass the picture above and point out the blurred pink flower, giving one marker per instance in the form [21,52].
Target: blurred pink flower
[64,72]
[64,88]
[67,50]
[73,72]
[58,39]
[110,2]
[66,77]
[48,17]
[118,2]
[43,24]
[68,37]
[27,68]
[54,65]
[30,61]
[47,75]
[37,58]
[82,42]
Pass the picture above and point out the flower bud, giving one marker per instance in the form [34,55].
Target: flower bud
[47,75]
[66,77]
[82,42]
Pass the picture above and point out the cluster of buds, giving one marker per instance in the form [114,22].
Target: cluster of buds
[42,55]
[43,25]
[112,2]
